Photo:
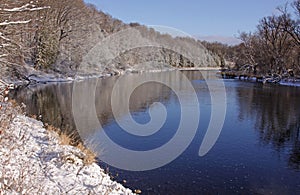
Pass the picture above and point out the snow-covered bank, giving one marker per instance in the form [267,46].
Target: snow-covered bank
[283,82]
[200,68]
[34,162]
[294,83]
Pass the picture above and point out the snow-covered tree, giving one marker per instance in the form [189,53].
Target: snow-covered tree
[16,24]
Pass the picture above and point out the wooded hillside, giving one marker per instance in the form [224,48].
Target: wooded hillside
[53,36]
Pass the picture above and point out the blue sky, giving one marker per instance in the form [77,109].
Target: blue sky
[212,19]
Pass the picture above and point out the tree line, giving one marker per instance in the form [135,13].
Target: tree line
[49,35]
[273,48]
[53,36]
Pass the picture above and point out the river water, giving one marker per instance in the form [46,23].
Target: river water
[257,152]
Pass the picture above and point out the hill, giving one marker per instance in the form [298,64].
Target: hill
[64,38]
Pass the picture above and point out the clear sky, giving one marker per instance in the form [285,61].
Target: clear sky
[202,18]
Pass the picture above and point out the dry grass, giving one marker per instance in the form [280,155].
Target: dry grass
[21,182]
[65,139]
[71,139]
[90,156]
[9,110]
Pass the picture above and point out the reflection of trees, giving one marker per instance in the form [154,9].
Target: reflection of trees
[276,114]
[200,75]
[51,102]
[294,160]
[54,102]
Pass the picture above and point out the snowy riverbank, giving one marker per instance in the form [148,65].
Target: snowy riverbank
[34,162]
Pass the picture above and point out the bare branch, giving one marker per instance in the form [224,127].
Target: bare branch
[14,22]
[25,8]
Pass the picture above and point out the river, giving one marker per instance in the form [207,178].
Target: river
[257,151]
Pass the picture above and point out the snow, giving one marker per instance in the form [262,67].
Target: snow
[2,46]
[48,78]
[4,38]
[284,82]
[16,9]
[3,55]
[25,7]
[34,162]
[5,23]
[290,83]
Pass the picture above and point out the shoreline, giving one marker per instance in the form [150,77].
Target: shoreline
[35,161]
[52,79]
[200,68]
[39,77]
[39,152]
[36,152]
[265,79]
[40,149]
[56,79]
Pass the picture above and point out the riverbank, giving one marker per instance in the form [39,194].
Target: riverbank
[34,161]
[273,79]
[36,77]
[199,68]
[37,155]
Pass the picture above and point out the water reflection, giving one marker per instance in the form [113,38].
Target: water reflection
[258,151]
[53,102]
[275,110]
[142,97]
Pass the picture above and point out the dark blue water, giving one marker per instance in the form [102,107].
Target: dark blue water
[257,152]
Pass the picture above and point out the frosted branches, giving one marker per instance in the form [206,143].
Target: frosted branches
[27,7]
[5,23]
[15,19]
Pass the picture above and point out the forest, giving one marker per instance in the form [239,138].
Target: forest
[54,36]
[43,34]
[273,49]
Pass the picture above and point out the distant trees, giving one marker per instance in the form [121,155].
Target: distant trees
[293,26]
[275,42]
[224,53]
[55,35]
[274,48]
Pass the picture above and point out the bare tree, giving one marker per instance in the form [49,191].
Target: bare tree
[290,25]
[55,26]
[16,25]
[275,41]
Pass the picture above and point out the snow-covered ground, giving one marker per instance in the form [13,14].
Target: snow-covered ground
[34,162]
[284,82]
[295,83]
